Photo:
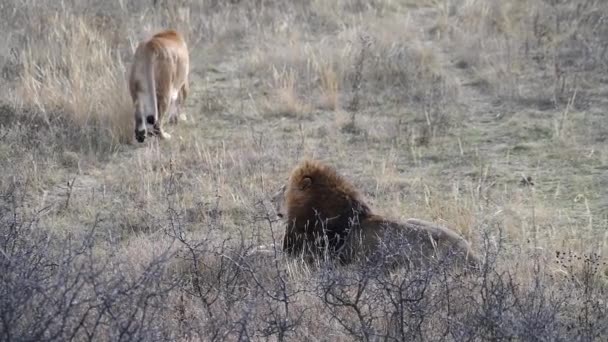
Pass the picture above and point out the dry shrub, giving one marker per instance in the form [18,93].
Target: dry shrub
[71,77]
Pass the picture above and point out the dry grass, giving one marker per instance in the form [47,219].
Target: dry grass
[435,110]
[531,51]
[77,80]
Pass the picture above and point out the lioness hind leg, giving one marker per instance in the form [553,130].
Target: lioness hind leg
[174,108]
[173,112]
[184,91]
[158,130]
[183,94]
[162,111]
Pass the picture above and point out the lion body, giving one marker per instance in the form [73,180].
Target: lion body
[326,215]
[158,82]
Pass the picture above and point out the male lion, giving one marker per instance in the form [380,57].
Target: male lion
[326,215]
[159,81]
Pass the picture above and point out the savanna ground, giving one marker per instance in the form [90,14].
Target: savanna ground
[487,116]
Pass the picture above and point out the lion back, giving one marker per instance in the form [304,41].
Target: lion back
[415,242]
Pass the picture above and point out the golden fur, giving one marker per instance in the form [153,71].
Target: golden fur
[158,81]
[326,215]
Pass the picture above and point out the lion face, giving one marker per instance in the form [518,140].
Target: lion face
[279,202]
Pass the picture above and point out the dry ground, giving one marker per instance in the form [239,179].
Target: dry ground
[487,116]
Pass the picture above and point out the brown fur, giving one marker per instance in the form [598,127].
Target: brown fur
[326,214]
[158,81]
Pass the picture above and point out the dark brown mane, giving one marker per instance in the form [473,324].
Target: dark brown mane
[322,206]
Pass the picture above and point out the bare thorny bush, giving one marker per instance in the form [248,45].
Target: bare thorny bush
[211,288]
[62,288]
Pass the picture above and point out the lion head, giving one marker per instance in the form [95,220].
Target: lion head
[319,207]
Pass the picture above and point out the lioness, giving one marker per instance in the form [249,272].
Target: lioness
[158,82]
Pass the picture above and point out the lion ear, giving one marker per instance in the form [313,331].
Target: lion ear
[305,183]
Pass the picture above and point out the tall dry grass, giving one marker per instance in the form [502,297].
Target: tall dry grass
[379,62]
[72,76]
[67,66]
[512,45]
